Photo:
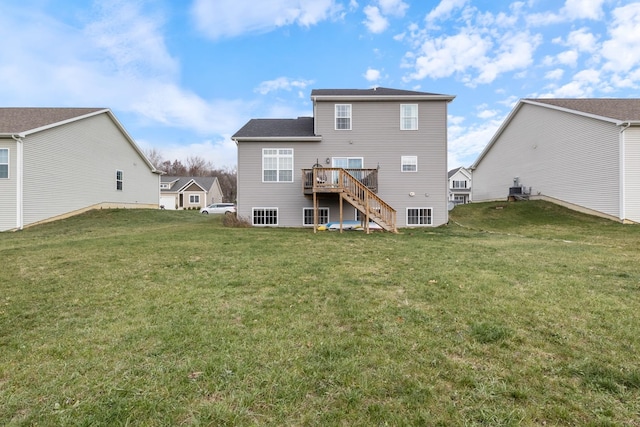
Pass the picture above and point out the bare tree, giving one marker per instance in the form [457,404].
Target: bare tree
[154,157]
[197,166]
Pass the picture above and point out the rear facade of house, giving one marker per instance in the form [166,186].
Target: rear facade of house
[393,140]
[581,153]
[56,162]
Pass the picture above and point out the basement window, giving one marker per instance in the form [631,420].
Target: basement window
[264,216]
[307,216]
[419,216]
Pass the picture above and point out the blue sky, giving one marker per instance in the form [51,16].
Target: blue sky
[183,76]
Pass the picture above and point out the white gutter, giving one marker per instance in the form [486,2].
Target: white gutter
[19,185]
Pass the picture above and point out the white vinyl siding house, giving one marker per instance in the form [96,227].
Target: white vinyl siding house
[459,185]
[349,129]
[68,164]
[576,152]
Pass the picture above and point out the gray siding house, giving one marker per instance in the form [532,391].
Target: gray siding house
[189,192]
[56,162]
[366,153]
[581,153]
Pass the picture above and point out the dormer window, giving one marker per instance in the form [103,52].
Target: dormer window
[165,186]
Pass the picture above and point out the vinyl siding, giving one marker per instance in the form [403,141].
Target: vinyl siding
[375,136]
[632,174]
[558,154]
[8,191]
[73,166]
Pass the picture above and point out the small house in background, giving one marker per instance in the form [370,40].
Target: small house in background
[368,155]
[580,153]
[189,192]
[459,185]
[58,162]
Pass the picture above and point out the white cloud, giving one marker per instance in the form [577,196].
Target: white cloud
[571,11]
[447,55]
[372,75]
[487,114]
[515,53]
[376,23]
[582,40]
[554,74]
[568,57]
[583,85]
[282,83]
[472,52]
[393,7]
[230,18]
[444,9]
[582,9]
[622,50]
[465,142]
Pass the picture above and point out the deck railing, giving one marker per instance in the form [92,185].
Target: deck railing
[328,178]
[358,187]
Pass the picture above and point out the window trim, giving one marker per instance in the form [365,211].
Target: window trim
[7,164]
[336,117]
[403,159]
[191,202]
[253,216]
[320,221]
[412,118]
[429,217]
[455,181]
[119,180]
[278,157]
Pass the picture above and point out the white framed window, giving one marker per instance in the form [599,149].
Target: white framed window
[343,116]
[4,163]
[194,199]
[277,165]
[409,163]
[419,216]
[264,216]
[119,180]
[459,184]
[307,216]
[408,116]
[164,186]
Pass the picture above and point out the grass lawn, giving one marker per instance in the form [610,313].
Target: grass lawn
[515,314]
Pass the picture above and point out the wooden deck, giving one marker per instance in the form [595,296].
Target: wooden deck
[358,187]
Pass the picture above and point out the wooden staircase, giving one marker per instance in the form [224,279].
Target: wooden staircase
[357,194]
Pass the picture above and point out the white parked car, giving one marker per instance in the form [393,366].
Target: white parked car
[219,208]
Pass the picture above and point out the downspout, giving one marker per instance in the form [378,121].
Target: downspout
[19,185]
[623,203]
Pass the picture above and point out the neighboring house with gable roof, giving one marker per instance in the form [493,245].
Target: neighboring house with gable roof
[581,153]
[189,192]
[382,151]
[459,185]
[57,162]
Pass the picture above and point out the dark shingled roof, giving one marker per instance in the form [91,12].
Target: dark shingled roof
[621,109]
[18,120]
[257,128]
[453,171]
[204,181]
[378,91]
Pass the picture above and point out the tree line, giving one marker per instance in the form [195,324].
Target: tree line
[197,166]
